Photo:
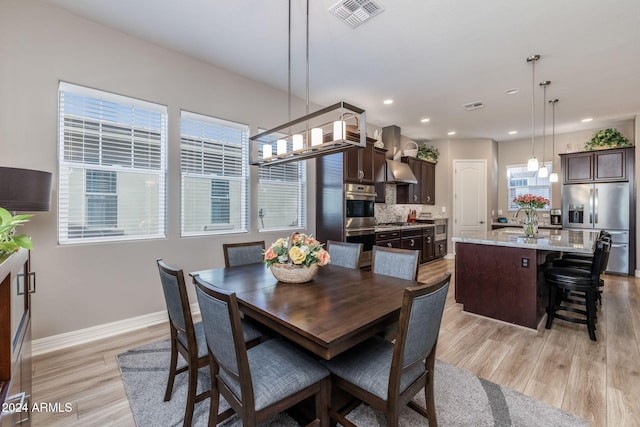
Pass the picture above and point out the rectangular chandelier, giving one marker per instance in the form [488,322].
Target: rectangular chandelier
[329,130]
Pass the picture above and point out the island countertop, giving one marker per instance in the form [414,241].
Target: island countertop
[580,241]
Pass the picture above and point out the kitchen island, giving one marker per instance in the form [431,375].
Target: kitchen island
[500,273]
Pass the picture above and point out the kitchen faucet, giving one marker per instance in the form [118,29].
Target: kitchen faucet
[515,215]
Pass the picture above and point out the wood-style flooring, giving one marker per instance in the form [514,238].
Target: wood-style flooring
[599,381]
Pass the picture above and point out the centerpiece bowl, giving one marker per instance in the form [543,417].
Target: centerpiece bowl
[296,259]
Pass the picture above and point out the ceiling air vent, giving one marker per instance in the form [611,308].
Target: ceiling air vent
[473,105]
[355,12]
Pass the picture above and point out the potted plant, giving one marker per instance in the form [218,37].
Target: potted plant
[296,259]
[9,241]
[428,153]
[606,138]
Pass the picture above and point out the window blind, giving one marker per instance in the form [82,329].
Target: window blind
[282,195]
[214,163]
[112,166]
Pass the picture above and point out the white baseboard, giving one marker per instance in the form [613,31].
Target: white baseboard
[637,273]
[450,256]
[83,336]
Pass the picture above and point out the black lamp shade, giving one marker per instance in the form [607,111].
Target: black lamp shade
[24,189]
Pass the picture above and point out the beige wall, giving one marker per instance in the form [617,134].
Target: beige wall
[518,152]
[80,286]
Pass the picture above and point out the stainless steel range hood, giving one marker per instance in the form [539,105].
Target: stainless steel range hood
[399,173]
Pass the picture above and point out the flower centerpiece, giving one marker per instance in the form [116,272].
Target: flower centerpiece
[296,259]
[529,203]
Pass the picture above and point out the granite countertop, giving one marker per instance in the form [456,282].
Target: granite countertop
[581,241]
[515,224]
[407,226]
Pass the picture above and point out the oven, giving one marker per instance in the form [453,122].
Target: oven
[360,220]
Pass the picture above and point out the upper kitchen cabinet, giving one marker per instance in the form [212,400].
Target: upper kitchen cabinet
[379,173]
[358,164]
[422,193]
[597,166]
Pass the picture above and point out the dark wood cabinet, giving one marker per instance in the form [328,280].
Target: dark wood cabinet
[440,248]
[412,239]
[422,193]
[379,173]
[597,166]
[389,239]
[15,339]
[358,164]
[428,244]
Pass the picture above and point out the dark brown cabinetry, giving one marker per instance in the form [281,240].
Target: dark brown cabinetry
[428,244]
[597,166]
[358,165]
[422,193]
[15,339]
[379,173]
[440,248]
[412,239]
[389,239]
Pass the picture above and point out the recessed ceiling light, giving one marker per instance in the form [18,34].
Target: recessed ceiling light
[586,120]
[512,91]
[513,132]
[425,120]
[451,133]
[388,101]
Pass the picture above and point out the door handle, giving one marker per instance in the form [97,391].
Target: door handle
[389,244]
[480,222]
[590,206]
[595,207]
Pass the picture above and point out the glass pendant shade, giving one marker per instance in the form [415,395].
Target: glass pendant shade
[543,172]
[532,164]
[553,177]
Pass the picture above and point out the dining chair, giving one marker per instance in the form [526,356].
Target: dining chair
[387,375]
[400,263]
[344,254]
[566,283]
[243,253]
[187,337]
[263,381]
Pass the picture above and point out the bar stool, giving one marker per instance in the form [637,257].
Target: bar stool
[579,282]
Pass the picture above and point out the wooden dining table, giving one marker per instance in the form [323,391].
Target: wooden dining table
[338,309]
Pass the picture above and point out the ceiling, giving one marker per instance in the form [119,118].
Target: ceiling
[429,56]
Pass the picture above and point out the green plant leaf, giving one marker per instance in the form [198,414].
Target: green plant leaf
[23,241]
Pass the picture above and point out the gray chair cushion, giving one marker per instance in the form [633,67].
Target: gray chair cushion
[368,366]
[344,254]
[278,370]
[241,255]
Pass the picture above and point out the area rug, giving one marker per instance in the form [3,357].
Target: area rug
[462,399]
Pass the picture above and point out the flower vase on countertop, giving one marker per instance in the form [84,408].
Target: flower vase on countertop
[530,225]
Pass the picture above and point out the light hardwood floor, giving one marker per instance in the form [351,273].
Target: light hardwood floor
[599,381]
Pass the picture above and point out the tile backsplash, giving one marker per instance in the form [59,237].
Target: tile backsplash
[392,212]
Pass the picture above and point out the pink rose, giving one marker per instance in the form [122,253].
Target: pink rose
[323,257]
[270,254]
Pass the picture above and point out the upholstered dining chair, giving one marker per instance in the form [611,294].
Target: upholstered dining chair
[344,254]
[260,382]
[401,263]
[388,375]
[187,337]
[243,253]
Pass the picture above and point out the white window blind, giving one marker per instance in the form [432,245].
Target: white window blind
[282,195]
[214,163]
[521,181]
[112,160]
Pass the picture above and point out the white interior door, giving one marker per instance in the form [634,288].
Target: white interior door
[470,197]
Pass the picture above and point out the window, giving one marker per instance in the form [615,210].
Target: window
[112,160]
[282,196]
[214,167]
[521,181]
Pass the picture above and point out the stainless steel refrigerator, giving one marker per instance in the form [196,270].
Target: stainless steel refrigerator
[603,206]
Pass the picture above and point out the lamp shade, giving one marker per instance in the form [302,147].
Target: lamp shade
[532,164]
[24,189]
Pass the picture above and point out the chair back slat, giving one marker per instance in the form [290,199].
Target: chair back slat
[400,263]
[424,324]
[344,254]
[175,295]
[243,253]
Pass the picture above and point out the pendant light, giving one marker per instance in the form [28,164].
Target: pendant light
[543,172]
[532,164]
[554,175]
[332,129]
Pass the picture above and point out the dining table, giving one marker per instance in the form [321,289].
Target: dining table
[338,309]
